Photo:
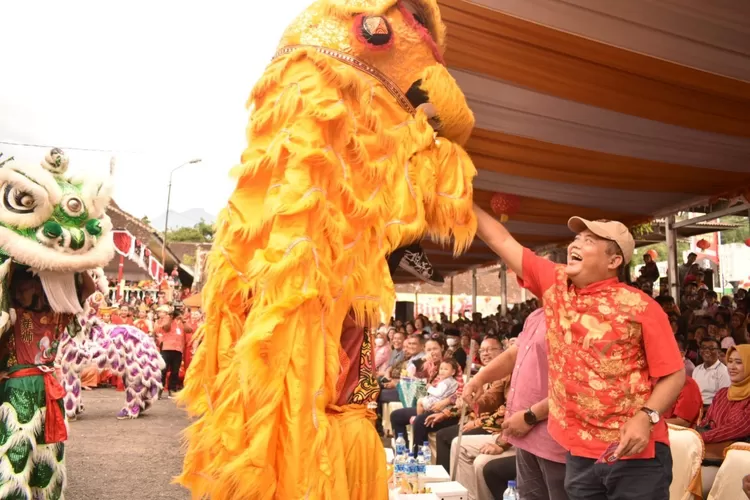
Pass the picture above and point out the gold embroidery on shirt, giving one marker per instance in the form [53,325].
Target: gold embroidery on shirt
[27,328]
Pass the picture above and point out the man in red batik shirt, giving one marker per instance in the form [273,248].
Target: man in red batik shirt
[614,365]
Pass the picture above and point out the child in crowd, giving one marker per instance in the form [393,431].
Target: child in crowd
[726,339]
[444,386]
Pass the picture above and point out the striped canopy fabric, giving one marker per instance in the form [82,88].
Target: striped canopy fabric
[622,110]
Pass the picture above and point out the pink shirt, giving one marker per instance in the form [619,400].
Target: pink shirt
[529,385]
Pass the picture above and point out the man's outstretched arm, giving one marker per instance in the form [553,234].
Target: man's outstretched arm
[499,240]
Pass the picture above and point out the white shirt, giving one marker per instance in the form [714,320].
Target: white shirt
[711,379]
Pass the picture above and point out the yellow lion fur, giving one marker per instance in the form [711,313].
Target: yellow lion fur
[335,177]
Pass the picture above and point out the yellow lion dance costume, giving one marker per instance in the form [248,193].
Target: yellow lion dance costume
[354,151]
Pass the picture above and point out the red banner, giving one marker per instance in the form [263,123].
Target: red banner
[124,242]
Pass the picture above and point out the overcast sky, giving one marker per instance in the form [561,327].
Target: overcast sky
[160,82]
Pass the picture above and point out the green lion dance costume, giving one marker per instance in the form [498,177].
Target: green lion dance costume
[354,152]
[53,229]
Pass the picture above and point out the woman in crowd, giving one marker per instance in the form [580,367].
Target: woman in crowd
[382,351]
[728,417]
[410,329]
[419,326]
[435,350]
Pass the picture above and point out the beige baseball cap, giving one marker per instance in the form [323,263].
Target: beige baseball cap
[609,230]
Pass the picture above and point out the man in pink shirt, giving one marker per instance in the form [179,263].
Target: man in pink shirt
[170,336]
[540,461]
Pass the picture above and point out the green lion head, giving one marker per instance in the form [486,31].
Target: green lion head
[53,223]
[50,221]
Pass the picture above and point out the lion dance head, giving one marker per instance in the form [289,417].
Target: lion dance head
[354,150]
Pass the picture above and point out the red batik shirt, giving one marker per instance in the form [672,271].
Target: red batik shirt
[608,343]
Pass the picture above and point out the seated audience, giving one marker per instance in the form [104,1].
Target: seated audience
[444,386]
[490,409]
[435,349]
[728,417]
[725,338]
[382,352]
[455,348]
[389,393]
[476,453]
[689,366]
[711,375]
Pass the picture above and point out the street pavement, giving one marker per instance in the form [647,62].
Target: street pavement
[110,459]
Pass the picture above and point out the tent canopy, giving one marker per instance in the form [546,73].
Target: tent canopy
[612,110]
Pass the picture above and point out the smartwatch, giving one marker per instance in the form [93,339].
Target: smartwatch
[530,418]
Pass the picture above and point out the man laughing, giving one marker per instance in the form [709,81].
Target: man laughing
[614,365]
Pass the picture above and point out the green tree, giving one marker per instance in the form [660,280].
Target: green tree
[738,234]
[202,232]
[146,220]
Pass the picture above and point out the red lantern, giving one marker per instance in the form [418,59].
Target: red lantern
[747,242]
[505,205]
[703,244]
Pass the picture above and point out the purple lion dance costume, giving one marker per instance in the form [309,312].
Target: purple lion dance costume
[123,349]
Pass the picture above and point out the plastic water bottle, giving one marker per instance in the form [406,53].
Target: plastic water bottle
[399,468]
[412,473]
[400,444]
[421,464]
[427,452]
[511,493]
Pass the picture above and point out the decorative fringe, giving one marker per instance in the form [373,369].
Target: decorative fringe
[328,186]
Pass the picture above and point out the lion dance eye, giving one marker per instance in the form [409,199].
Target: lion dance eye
[73,206]
[18,201]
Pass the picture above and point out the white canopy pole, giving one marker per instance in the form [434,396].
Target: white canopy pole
[503,290]
[474,290]
[672,271]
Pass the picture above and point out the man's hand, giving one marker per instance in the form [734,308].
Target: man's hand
[634,435]
[515,425]
[4,376]
[746,485]
[472,391]
[491,449]
[433,419]
[471,425]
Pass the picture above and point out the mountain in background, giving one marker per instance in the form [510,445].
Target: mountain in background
[188,218]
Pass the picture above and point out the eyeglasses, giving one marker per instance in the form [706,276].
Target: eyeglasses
[488,350]
[709,349]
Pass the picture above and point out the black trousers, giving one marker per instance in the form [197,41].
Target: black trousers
[443,442]
[638,479]
[173,359]
[497,473]
[385,396]
[400,419]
